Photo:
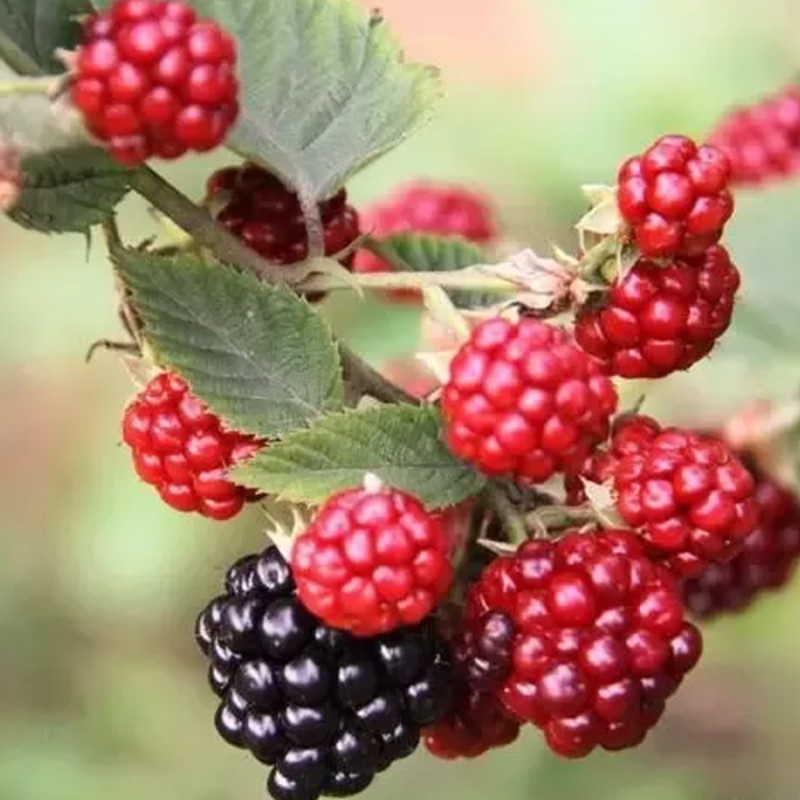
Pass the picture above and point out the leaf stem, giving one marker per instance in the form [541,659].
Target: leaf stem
[202,227]
[512,519]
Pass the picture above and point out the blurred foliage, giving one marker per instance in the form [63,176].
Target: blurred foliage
[102,693]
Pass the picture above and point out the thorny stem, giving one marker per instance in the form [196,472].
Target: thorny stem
[202,227]
[513,520]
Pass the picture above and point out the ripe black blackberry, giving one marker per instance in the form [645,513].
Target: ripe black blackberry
[325,710]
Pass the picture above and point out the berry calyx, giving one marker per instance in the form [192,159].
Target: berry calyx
[598,638]
[674,197]
[424,207]
[184,450]
[325,711]
[256,207]
[153,79]
[688,493]
[522,400]
[762,141]
[659,319]
[765,563]
[372,559]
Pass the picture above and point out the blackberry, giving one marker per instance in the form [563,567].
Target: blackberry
[325,710]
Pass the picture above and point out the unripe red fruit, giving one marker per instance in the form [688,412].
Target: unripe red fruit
[183,450]
[690,496]
[766,561]
[422,207]
[153,79]
[762,140]
[675,198]
[372,560]
[661,319]
[523,401]
[599,638]
[257,208]
[478,723]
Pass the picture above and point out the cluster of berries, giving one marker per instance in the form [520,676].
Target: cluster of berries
[334,661]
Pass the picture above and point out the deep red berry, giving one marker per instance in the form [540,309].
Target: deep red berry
[762,141]
[661,319]
[446,210]
[372,559]
[599,638]
[153,79]
[523,401]
[674,196]
[690,496]
[183,450]
[478,723]
[266,215]
[765,563]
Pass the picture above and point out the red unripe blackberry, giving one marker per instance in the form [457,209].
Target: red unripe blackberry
[478,723]
[765,563]
[423,207]
[661,319]
[372,559]
[326,712]
[184,450]
[688,493]
[599,640]
[522,400]
[762,141]
[674,197]
[266,215]
[153,79]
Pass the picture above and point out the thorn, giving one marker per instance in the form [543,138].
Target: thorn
[372,483]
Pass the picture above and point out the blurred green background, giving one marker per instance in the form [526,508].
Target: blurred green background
[102,695]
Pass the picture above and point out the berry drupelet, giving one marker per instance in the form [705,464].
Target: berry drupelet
[659,319]
[765,563]
[324,710]
[597,640]
[183,450]
[523,401]
[762,140]
[478,723]
[674,197]
[153,79]
[372,559]
[266,215]
[688,494]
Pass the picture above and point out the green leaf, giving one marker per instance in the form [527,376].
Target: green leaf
[422,252]
[400,444]
[258,355]
[325,88]
[69,191]
[31,30]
